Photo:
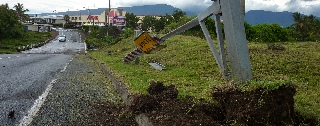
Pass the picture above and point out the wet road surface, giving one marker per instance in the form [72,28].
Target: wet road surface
[25,77]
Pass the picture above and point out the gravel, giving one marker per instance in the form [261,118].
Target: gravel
[82,95]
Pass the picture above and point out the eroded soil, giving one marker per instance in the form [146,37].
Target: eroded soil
[257,107]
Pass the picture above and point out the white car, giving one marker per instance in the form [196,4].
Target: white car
[62,38]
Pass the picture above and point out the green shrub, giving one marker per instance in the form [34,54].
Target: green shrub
[128,32]
[270,33]
[57,25]
[250,31]
[102,36]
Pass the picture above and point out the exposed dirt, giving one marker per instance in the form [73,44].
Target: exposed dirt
[111,115]
[257,107]
[163,109]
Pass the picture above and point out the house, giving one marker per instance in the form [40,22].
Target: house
[97,16]
[37,27]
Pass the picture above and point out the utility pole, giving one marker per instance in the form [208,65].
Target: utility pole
[92,21]
[80,19]
[109,14]
[55,11]
[108,20]
[89,17]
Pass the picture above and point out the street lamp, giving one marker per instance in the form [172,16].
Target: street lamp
[92,19]
[55,11]
[89,13]
[89,17]
[80,18]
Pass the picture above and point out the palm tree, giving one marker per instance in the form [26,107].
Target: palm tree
[305,26]
[6,5]
[66,18]
[177,14]
[20,12]
[131,20]
[298,25]
[311,25]
[317,30]
[297,16]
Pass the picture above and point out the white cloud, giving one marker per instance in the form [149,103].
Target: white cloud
[303,6]
[182,4]
[43,6]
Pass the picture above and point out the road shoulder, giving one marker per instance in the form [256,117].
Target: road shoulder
[82,95]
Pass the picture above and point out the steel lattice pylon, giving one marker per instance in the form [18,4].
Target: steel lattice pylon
[236,43]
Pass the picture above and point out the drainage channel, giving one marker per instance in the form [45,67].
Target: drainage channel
[124,93]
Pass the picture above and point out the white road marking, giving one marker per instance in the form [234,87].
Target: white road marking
[8,57]
[0,58]
[26,120]
[17,56]
[65,67]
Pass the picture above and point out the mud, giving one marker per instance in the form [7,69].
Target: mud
[256,107]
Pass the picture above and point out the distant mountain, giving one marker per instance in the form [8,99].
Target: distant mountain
[255,17]
[158,9]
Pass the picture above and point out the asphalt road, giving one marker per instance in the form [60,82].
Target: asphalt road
[73,44]
[25,77]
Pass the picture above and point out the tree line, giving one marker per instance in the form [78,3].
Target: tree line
[152,22]
[10,21]
[305,28]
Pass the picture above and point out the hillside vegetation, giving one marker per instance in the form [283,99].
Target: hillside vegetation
[192,68]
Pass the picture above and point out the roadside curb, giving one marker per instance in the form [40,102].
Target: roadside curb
[31,46]
[142,119]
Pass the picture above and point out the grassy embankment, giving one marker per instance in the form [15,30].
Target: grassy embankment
[192,68]
[8,46]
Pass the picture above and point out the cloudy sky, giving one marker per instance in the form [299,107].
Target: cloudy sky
[45,6]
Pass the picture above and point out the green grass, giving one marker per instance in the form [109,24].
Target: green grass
[11,45]
[299,62]
[193,70]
